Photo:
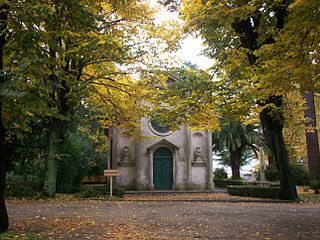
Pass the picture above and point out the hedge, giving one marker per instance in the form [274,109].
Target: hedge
[223,183]
[254,191]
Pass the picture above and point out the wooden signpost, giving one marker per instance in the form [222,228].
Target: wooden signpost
[111,173]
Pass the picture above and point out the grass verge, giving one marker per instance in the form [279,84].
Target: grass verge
[20,236]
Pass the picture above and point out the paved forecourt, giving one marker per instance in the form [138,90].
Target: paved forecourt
[94,219]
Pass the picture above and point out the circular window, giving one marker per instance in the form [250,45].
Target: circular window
[158,128]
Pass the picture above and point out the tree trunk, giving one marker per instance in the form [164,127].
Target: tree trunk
[56,132]
[312,138]
[272,128]
[271,160]
[272,124]
[4,220]
[50,181]
[235,164]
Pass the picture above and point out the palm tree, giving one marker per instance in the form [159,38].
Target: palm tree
[233,141]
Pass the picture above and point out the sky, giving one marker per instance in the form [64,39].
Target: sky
[190,47]
[191,51]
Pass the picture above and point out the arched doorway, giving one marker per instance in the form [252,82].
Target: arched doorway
[162,169]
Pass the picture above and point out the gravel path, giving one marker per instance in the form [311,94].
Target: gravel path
[164,220]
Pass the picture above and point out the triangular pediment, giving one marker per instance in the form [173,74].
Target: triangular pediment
[163,143]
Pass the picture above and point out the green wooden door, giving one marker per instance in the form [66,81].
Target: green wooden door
[162,169]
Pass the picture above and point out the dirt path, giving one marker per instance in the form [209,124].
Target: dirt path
[164,220]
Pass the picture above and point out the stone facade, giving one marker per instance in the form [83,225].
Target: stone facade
[189,159]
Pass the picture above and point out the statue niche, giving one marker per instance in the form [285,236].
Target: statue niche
[125,157]
[197,157]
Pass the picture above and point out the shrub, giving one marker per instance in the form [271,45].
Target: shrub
[223,183]
[220,173]
[98,191]
[89,192]
[275,184]
[300,174]
[78,160]
[119,192]
[254,191]
[271,173]
[72,165]
[315,184]
[20,188]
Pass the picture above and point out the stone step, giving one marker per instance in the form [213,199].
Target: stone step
[217,195]
[174,192]
[179,195]
[169,196]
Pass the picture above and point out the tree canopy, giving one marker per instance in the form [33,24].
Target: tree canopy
[251,42]
[61,56]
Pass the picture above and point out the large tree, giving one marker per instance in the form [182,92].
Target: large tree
[60,54]
[4,223]
[75,51]
[294,57]
[234,32]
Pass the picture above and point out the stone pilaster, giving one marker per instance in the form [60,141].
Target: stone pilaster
[210,169]
[175,167]
[188,156]
[138,165]
[151,186]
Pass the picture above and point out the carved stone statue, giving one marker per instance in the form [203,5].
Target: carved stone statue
[197,155]
[126,154]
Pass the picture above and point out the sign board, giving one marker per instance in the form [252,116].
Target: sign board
[111,173]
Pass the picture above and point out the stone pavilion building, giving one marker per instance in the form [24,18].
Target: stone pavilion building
[167,160]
